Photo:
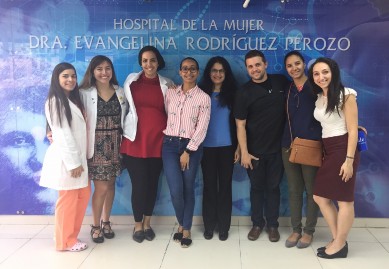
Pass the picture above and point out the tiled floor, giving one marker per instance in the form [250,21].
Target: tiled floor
[32,246]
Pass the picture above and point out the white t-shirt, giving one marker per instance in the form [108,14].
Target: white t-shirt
[333,124]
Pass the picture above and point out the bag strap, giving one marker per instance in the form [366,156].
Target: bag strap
[287,113]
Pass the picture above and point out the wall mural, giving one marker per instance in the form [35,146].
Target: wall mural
[38,34]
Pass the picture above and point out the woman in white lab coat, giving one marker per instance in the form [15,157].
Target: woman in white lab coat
[65,165]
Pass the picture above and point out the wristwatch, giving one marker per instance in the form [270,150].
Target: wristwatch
[189,151]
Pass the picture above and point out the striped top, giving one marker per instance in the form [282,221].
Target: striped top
[188,115]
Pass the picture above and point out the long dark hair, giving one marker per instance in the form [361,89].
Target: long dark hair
[89,79]
[228,88]
[335,89]
[57,93]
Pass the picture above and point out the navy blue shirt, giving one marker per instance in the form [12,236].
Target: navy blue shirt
[300,107]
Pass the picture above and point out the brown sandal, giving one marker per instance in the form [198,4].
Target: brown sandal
[107,230]
[96,230]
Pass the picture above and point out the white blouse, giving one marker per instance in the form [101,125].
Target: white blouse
[333,124]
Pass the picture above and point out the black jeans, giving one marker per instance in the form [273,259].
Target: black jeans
[144,174]
[217,167]
[265,181]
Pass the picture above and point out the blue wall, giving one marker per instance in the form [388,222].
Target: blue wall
[36,35]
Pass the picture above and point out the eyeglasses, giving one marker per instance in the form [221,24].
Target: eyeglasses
[191,69]
[215,71]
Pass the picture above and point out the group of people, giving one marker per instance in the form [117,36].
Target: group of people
[318,107]
[152,124]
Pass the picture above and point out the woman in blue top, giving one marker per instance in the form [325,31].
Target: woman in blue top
[220,148]
[300,123]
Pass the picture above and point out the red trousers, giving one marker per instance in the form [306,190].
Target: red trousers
[69,214]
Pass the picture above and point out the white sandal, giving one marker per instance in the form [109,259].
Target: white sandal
[79,246]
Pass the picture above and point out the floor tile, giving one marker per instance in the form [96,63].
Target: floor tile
[8,246]
[20,231]
[323,235]
[126,253]
[203,254]
[386,246]
[261,254]
[380,234]
[41,253]
[32,246]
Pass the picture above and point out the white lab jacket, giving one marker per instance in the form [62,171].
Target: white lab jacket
[67,152]
[131,119]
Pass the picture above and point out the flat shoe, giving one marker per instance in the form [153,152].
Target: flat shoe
[342,253]
[186,242]
[138,236]
[321,249]
[177,237]
[149,234]
[290,244]
[301,244]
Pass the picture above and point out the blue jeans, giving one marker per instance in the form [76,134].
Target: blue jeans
[181,183]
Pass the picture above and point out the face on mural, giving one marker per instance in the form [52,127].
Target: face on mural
[22,144]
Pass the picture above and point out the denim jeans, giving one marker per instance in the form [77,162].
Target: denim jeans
[181,183]
[265,181]
[301,178]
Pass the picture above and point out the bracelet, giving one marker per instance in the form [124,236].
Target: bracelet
[349,157]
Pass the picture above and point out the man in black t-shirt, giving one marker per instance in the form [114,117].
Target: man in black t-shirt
[260,113]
